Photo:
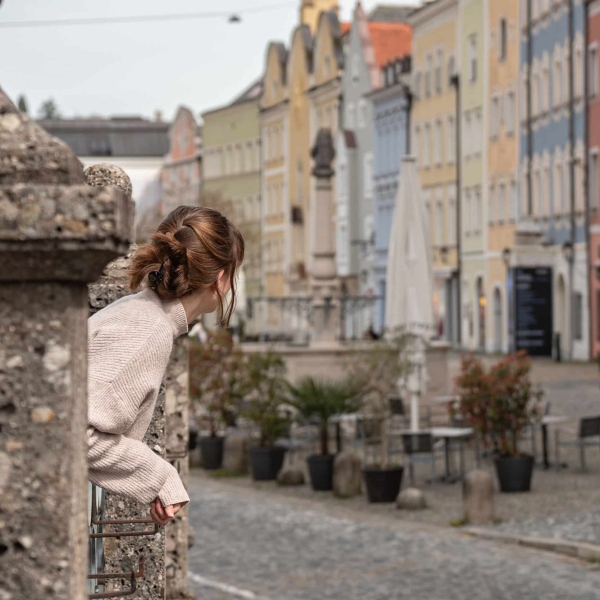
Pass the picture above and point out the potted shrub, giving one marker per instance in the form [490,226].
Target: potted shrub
[379,369]
[323,399]
[500,404]
[265,392]
[216,386]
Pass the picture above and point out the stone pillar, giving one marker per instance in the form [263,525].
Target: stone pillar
[324,284]
[177,427]
[56,234]
[122,555]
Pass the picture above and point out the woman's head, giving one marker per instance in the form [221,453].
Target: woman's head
[194,250]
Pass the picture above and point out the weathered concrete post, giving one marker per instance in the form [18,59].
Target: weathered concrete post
[166,552]
[324,285]
[177,427]
[56,234]
[122,555]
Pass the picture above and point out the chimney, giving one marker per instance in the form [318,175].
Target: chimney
[158,116]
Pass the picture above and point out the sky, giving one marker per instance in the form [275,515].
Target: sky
[138,69]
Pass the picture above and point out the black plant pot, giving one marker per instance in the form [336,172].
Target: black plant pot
[266,462]
[211,449]
[383,485]
[320,468]
[514,473]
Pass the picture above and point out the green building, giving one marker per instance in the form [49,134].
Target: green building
[232,180]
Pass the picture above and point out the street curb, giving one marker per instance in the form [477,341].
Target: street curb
[581,550]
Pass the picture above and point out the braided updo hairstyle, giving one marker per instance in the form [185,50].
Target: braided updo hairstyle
[189,249]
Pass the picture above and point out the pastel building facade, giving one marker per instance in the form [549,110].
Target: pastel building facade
[390,106]
[435,59]
[502,141]
[593,177]
[552,156]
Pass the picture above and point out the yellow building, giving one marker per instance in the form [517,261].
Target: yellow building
[434,143]
[301,93]
[472,44]
[503,153]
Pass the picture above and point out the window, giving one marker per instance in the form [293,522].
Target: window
[451,141]
[472,49]
[327,66]
[417,142]
[428,73]
[439,223]
[578,315]
[545,90]
[426,145]
[558,80]
[509,116]
[468,136]
[368,175]
[593,179]
[438,71]
[478,134]
[501,203]
[451,220]
[514,201]
[468,211]
[478,211]
[438,142]
[492,205]
[495,124]
[593,71]
[565,188]
[578,66]
[417,84]
[502,40]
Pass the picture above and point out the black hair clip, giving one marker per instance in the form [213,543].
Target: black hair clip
[156,277]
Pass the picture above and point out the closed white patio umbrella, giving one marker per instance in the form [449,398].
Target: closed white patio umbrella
[409,289]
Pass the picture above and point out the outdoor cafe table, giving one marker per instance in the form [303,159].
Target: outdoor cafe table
[448,434]
[546,421]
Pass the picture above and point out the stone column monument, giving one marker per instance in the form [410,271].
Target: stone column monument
[324,283]
[56,235]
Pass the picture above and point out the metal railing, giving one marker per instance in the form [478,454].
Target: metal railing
[289,319]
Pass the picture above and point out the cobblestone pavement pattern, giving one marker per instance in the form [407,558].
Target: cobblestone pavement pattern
[272,548]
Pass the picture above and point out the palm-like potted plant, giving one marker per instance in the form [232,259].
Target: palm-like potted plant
[216,386]
[500,404]
[264,395]
[320,400]
[380,369]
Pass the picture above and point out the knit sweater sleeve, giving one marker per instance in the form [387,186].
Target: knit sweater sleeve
[120,464]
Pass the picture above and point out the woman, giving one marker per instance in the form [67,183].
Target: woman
[187,268]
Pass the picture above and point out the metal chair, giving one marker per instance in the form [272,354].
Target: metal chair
[420,447]
[588,434]
[530,431]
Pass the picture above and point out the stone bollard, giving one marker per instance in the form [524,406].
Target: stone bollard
[411,499]
[347,475]
[56,235]
[478,498]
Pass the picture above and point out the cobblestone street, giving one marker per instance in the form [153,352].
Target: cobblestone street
[255,545]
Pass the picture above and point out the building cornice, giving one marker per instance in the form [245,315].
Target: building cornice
[424,14]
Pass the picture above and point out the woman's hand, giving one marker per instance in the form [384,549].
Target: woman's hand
[162,515]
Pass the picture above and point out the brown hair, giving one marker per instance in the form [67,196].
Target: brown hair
[189,249]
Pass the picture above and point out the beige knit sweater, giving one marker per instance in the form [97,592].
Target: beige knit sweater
[129,344]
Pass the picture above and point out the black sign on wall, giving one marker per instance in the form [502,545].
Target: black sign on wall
[533,310]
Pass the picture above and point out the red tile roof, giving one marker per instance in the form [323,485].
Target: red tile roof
[345,27]
[390,40]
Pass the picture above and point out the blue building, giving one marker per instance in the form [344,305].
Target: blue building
[391,105]
[551,224]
